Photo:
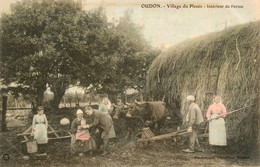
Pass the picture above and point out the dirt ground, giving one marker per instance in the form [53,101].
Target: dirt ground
[123,153]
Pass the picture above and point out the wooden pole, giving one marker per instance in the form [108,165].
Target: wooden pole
[164,136]
[64,101]
[230,112]
[4,109]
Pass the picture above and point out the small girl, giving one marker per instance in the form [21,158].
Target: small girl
[40,126]
[39,129]
[83,132]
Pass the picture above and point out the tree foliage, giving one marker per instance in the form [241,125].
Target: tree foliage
[47,43]
[56,43]
[131,59]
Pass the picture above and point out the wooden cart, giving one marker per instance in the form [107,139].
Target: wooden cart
[50,130]
[30,144]
[146,136]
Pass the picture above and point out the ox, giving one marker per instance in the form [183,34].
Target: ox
[152,113]
[120,111]
[125,125]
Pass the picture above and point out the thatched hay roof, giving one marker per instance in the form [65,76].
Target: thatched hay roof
[224,63]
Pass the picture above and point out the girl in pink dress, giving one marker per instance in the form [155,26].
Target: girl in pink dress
[82,132]
[217,129]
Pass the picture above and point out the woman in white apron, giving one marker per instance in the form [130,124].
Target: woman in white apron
[39,128]
[105,107]
[217,129]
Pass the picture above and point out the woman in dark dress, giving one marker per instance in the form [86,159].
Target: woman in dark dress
[77,147]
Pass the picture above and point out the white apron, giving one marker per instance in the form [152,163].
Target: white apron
[40,128]
[217,131]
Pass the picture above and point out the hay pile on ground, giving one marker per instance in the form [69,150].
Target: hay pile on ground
[224,63]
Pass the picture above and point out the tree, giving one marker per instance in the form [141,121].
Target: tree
[130,60]
[48,43]
[56,43]
[103,49]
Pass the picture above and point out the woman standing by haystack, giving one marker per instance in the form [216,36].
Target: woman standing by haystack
[39,128]
[217,129]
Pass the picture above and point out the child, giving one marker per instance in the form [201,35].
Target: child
[39,129]
[83,132]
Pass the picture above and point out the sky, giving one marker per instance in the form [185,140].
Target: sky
[165,26]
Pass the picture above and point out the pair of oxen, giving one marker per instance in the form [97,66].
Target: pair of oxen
[142,114]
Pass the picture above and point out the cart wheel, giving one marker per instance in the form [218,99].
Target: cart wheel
[169,142]
[137,137]
[140,144]
[146,144]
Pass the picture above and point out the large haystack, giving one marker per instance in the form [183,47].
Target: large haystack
[224,63]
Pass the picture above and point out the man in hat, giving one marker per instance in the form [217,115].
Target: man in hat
[102,121]
[193,119]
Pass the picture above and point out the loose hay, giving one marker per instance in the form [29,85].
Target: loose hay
[224,63]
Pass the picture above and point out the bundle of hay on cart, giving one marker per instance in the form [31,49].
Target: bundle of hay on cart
[224,63]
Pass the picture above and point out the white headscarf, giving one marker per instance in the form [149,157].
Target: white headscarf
[79,111]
